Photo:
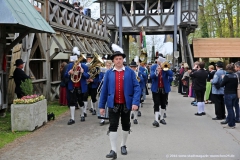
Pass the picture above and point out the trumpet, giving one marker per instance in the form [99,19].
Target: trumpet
[76,76]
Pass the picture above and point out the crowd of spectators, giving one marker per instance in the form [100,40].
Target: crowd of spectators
[75,5]
[215,85]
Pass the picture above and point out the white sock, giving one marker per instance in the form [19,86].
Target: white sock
[94,105]
[91,104]
[164,111]
[135,114]
[156,116]
[82,111]
[161,113]
[113,140]
[199,106]
[72,109]
[203,107]
[160,109]
[85,106]
[124,137]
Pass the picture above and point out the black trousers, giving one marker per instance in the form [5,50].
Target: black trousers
[200,95]
[219,105]
[159,98]
[92,92]
[75,96]
[115,114]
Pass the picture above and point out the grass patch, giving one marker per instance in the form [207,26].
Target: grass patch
[6,134]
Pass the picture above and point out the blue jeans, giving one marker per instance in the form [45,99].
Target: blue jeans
[230,101]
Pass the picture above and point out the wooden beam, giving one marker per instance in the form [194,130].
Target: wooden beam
[68,43]
[41,46]
[17,40]
[34,47]
[58,44]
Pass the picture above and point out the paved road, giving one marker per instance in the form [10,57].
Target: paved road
[184,137]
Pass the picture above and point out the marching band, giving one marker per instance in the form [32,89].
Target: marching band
[120,89]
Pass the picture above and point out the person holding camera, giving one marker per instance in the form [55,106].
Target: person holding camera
[200,79]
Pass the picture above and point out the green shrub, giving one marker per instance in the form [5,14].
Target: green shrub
[27,87]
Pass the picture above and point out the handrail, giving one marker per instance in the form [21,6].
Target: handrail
[64,18]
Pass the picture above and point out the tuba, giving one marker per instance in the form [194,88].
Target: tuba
[95,65]
[76,76]
[165,66]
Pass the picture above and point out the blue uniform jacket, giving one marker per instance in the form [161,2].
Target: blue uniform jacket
[144,73]
[132,91]
[95,82]
[167,79]
[142,81]
[83,80]
[101,75]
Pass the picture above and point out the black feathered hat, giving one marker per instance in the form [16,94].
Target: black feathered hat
[117,51]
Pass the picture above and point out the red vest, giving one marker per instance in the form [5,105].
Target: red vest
[119,94]
[160,80]
[77,85]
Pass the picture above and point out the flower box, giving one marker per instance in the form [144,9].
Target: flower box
[27,117]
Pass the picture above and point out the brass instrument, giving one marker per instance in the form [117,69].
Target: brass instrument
[76,76]
[94,66]
[165,66]
[137,77]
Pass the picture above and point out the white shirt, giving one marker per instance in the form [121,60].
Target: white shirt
[122,69]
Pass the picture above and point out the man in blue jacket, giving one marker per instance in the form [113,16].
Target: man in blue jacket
[121,92]
[139,76]
[161,81]
[77,88]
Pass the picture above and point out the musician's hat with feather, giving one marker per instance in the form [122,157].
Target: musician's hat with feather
[76,51]
[117,51]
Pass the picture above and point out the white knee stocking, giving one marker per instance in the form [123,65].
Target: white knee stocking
[124,137]
[72,109]
[113,140]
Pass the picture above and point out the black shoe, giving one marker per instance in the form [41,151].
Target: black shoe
[139,114]
[216,118]
[112,155]
[94,112]
[193,102]
[237,121]
[163,122]
[82,119]
[155,123]
[124,150]
[164,115]
[198,114]
[85,114]
[135,121]
[203,113]
[132,116]
[90,110]
[224,122]
[159,116]
[71,121]
[102,123]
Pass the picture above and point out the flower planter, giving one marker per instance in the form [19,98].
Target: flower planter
[27,117]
